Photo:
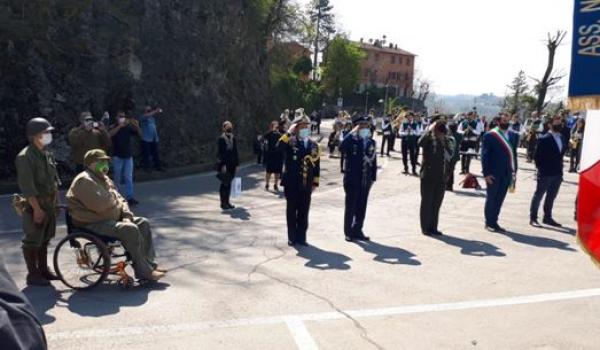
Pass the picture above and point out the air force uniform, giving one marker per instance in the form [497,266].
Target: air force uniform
[360,173]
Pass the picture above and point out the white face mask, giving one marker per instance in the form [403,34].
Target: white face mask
[304,133]
[46,139]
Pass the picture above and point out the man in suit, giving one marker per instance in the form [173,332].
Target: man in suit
[301,176]
[388,134]
[227,163]
[360,173]
[548,158]
[437,148]
[498,163]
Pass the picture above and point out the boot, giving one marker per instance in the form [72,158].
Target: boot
[43,264]
[34,277]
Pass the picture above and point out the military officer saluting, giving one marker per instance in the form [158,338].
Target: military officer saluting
[38,182]
[361,172]
[301,176]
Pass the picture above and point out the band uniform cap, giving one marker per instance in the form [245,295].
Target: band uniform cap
[94,155]
[361,119]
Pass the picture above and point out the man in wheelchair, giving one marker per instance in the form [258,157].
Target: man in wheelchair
[96,205]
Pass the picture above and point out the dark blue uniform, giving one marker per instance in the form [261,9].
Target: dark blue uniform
[360,173]
[302,169]
[410,133]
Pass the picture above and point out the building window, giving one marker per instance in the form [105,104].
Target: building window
[408,61]
[406,76]
[393,59]
[400,60]
[376,57]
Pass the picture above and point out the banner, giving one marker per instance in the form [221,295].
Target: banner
[584,85]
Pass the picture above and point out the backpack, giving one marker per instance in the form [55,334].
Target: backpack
[470,181]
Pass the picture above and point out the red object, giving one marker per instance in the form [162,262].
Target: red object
[470,181]
[588,211]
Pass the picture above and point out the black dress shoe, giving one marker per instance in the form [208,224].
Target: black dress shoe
[500,229]
[290,243]
[304,244]
[438,233]
[534,223]
[551,222]
[348,239]
[362,238]
[492,228]
[428,234]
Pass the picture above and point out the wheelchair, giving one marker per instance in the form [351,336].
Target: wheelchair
[84,259]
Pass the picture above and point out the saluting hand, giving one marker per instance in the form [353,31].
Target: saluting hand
[355,130]
[292,128]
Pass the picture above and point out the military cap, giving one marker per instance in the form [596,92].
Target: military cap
[38,125]
[360,119]
[94,155]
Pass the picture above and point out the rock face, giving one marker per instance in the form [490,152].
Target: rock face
[201,61]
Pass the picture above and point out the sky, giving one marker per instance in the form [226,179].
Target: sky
[465,46]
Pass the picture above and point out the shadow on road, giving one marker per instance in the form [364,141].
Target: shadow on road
[43,300]
[108,299]
[323,260]
[565,230]
[238,213]
[541,242]
[389,255]
[470,194]
[472,248]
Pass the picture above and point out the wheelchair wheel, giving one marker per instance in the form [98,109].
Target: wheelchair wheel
[81,261]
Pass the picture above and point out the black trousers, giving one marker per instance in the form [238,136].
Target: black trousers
[465,160]
[355,209]
[531,147]
[575,157]
[150,151]
[259,157]
[225,188]
[297,208]
[386,139]
[409,148]
[432,195]
[548,186]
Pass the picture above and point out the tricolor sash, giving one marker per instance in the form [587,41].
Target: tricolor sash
[499,135]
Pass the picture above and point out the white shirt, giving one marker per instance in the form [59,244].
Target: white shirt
[558,139]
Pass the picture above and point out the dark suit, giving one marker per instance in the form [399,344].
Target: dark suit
[549,162]
[496,161]
[227,156]
[360,173]
[433,180]
[302,169]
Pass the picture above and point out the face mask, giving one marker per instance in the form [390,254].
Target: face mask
[557,128]
[122,120]
[102,167]
[228,130]
[364,133]
[304,133]
[46,139]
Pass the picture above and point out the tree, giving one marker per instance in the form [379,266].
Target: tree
[324,26]
[303,66]
[550,78]
[342,66]
[283,19]
[517,89]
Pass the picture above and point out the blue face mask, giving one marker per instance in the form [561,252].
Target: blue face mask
[364,133]
[304,133]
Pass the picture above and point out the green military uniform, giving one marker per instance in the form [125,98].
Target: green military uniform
[433,180]
[37,177]
[95,204]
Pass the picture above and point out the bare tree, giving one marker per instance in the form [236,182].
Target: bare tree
[550,77]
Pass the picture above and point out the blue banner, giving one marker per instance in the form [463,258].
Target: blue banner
[584,87]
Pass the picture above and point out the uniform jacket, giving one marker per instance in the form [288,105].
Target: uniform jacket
[227,156]
[548,158]
[302,164]
[36,172]
[93,198]
[410,130]
[435,153]
[361,161]
[495,159]
[82,140]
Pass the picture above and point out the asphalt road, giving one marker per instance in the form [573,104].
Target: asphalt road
[235,284]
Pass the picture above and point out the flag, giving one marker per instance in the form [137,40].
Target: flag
[588,208]
[584,94]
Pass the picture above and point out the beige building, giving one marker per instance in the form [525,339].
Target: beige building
[386,64]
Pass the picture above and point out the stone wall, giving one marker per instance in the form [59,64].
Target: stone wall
[202,61]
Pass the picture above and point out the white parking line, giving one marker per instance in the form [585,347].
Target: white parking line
[303,339]
[296,322]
